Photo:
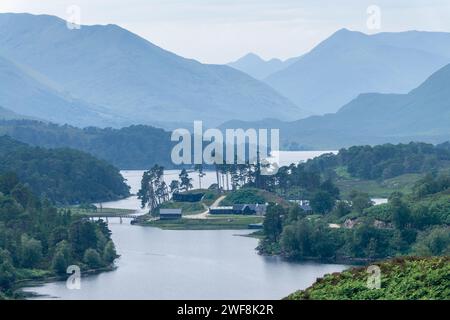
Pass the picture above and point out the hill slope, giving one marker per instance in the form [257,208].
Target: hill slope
[132,78]
[64,176]
[350,63]
[6,114]
[401,279]
[421,115]
[26,95]
[134,147]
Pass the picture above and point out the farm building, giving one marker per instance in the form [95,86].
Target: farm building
[170,214]
[250,209]
[221,210]
[187,197]
[244,209]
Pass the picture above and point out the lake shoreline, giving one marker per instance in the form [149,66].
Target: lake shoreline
[30,283]
[225,258]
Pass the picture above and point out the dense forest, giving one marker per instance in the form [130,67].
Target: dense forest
[37,240]
[355,229]
[63,176]
[400,279]
[133,147]
[385,161]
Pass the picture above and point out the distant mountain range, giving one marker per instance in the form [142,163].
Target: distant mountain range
[423,114]
[258,68]
[106,75]
[350,63]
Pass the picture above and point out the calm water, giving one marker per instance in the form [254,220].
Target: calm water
[164,264]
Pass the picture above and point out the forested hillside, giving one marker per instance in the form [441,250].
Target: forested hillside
[134,147]
[400,279]
[385,161]
[356,230]
[37,240]
[64,176]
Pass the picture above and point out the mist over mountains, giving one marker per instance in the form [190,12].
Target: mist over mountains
[386,87]
[258,68]
[108,75]
[24,96]
[351,63]
[423,114]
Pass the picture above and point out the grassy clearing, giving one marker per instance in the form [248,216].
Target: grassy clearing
[229,222]
[105,212]
[378,189]
[190,208]
[401,279]
[251,196]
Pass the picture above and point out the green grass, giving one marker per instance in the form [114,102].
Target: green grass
[210,197]
[378,189]
[33,274]
[229,222]
[190,208]
[252,196]
[105,212]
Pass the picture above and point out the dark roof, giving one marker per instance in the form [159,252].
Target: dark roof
[170,211]
[249,206]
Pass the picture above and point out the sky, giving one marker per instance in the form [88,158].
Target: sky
[221,31]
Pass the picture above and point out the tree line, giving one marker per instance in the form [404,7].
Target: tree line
[133,147]
[415,224]
[63,176]
[385,161]
[38,240]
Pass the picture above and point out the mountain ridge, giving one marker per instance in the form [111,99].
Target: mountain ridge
[423,114]
[128,76]
[349,63]
[258,68]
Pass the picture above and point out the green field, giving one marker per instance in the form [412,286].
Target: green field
[190,208]
[252,195]
[378,189]
[228,222]
[104,212]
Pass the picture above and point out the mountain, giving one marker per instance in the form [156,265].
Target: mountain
[6,114]
[22,93]
[258,68]
[423,114]
[131,78]
[350,63]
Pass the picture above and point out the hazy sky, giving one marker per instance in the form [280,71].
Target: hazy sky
[219,31]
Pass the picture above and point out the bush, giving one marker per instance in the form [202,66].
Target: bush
[92,259]
[244,196]
[109,253]
[59,263]
[31,252]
